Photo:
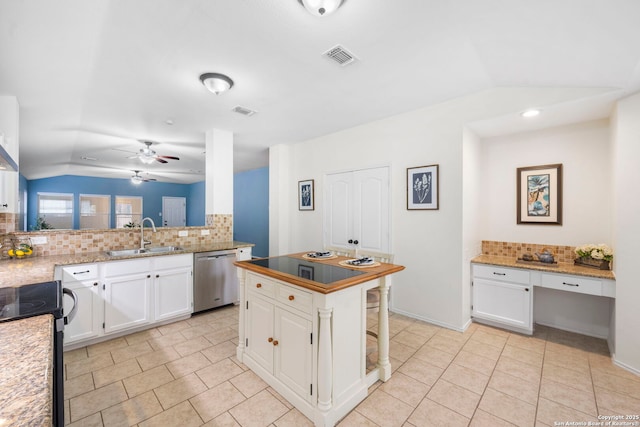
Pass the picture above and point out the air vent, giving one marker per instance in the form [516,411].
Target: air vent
[244,111]
[341,55]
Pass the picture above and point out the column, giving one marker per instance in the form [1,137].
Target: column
[384,366]
[325,360]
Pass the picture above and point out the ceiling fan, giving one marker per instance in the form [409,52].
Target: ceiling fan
[137,179]
[148,156]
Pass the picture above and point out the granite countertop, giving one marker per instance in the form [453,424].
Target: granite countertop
[26,357]
[560,267]
[17,272]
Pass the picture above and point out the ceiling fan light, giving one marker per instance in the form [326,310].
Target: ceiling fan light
[147,160]
[216,83]
[136,179]
[321,7]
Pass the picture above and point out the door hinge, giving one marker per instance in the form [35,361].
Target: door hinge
[102,325]
[311,389]
[246,342]
[311,338]
[247,305]
[104,287]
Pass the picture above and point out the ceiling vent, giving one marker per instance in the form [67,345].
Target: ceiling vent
[244,111]
[340,55]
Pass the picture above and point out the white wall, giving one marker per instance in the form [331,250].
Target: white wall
[626,232]
[584,151]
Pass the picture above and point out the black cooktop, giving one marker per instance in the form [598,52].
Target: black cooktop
[316,271]
[31,300]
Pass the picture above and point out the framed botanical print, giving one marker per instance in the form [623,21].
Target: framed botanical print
[305,195]
[423,187]
[539,195]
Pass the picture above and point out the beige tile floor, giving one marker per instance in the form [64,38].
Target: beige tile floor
[186,374]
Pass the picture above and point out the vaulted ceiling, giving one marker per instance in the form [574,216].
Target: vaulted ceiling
[94,78]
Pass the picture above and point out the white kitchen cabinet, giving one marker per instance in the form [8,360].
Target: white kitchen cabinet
[278,337]
[172,286]
[243,254]
[127,295]
[357,210]
[502,297]
[83,279]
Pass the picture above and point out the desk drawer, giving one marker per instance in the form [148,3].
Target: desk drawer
[512,275]
[572,283]
[261,285]
[294,297]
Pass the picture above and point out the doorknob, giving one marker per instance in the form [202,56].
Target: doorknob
[355,242]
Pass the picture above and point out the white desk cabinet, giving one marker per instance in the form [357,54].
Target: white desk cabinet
[82,279]
[502,296]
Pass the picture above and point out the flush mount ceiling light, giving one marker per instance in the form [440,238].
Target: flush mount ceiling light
[530,113]
[216,83]
[321,7]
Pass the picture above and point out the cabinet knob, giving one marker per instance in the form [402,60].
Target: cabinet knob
[291,297]
[157,275]
[148,276]
[270,339]
[95,284]
[258,285]
[275,342]
[526,289]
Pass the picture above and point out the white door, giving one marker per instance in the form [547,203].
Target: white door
[87,322]
[259,336]
[357,210]
[173,293]
[293,357]
[502,302]
[174,211]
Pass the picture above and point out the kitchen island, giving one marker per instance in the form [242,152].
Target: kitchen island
[303,326]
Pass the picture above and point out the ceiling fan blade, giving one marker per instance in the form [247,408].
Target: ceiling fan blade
[149,179]
[161,160]
[170,157]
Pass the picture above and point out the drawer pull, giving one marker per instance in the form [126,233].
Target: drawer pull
[270,339]
[291,297]
[275,342]
[499,274]
[81,272]
[258,285]
[570,284]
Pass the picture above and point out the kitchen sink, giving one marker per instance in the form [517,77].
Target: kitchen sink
[130,252]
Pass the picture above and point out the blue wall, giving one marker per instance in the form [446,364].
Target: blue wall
[151,192]
[196,204]
[251,209]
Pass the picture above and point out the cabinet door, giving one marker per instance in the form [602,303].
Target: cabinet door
[293,352]
[127,302]
[260,336]
[173,293]
[502,302]
[87,323]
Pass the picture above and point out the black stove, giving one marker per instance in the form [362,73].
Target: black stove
[31,300]
[35,300]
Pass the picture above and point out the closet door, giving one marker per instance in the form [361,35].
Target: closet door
[371,209]
[357,209]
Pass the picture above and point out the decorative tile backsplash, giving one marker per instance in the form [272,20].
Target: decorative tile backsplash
[72,242]
[515,250]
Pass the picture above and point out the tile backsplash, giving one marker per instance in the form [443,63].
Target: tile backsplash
[72,242]
[516,250]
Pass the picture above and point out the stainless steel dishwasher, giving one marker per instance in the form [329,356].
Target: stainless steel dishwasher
[216,281]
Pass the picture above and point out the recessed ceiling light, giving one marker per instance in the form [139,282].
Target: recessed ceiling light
[530,113]
[169,122]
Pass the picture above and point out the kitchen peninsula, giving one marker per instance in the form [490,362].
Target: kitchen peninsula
[303,326]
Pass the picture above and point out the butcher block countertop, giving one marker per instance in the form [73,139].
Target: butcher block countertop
[26,377]
[18,272]
[369,273]
[561,267]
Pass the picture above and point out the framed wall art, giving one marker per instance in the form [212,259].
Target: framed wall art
[305,195]
[422,187]
[539,195]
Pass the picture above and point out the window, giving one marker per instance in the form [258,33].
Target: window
[95,211]
[56,209]
[128,211]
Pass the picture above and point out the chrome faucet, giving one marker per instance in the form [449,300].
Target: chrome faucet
[143,242]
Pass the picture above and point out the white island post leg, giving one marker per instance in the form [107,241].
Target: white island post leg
[242,313]
[384,366]
[325,360]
